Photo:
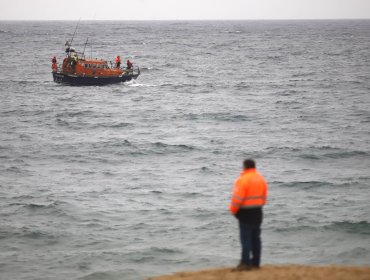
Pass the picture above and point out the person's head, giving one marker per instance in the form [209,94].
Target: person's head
[249,164]
[118,56]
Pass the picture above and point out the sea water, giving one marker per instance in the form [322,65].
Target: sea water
[133,180]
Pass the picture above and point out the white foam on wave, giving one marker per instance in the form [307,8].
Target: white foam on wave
[134,83]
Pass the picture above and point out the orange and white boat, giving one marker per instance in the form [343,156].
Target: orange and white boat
[76,69]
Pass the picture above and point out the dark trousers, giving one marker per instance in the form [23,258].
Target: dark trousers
[250,239]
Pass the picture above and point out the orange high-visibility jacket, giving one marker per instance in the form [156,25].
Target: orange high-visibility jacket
[250,191]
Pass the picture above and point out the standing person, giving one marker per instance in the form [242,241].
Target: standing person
[54,64]
[118,61]
[249,196]
[129,64]
[74,60]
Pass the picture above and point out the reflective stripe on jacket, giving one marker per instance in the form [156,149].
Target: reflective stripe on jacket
[250,191]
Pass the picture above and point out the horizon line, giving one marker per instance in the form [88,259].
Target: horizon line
[254,19]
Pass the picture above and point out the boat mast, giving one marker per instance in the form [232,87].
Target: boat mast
[70,43]
[83,53]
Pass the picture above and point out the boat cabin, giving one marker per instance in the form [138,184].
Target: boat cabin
[89,67]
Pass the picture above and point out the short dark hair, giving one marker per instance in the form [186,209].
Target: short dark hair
[249,163]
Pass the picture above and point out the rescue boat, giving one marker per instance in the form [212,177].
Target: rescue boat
[77,70]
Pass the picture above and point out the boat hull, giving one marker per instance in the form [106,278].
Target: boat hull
[74,80]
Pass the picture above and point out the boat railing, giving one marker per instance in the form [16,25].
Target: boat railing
[132,71]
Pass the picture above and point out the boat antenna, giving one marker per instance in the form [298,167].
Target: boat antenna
[83,53]
[70,42]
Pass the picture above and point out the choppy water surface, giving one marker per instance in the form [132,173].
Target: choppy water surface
[133,180]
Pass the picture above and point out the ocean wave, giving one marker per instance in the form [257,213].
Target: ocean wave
[322,184]
[114,143]
[333,53]
[362,227]
[163,250]
[36,234]
[359,228]
[302,184]
[346,154]
[275,57]
[73,114]
[53,208]
[29,233]
[140,258]
[15,169]
[156,192]
[315,152]
[26,82]
[331,152]
[243,85]
[295,228]
[226,117]
[158,148]
[172,147]
[98,275]
[203,169]
[358,252]
[23,197]
[297,75]
[114,125]
[110,275]
[35,206]
[193,194]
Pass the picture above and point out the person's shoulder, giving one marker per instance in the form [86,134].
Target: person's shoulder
[240,179]
[244,178]
[261,177]
[237,180]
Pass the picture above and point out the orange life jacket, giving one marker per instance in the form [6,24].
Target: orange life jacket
[250,191]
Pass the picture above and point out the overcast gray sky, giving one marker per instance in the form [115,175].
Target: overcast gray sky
[182,9]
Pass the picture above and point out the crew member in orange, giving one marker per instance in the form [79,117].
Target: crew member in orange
[248,198]
[118,61]
[54,64]
[129,64]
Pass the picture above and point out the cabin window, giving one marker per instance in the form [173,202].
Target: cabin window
[94,65]
[86,65]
